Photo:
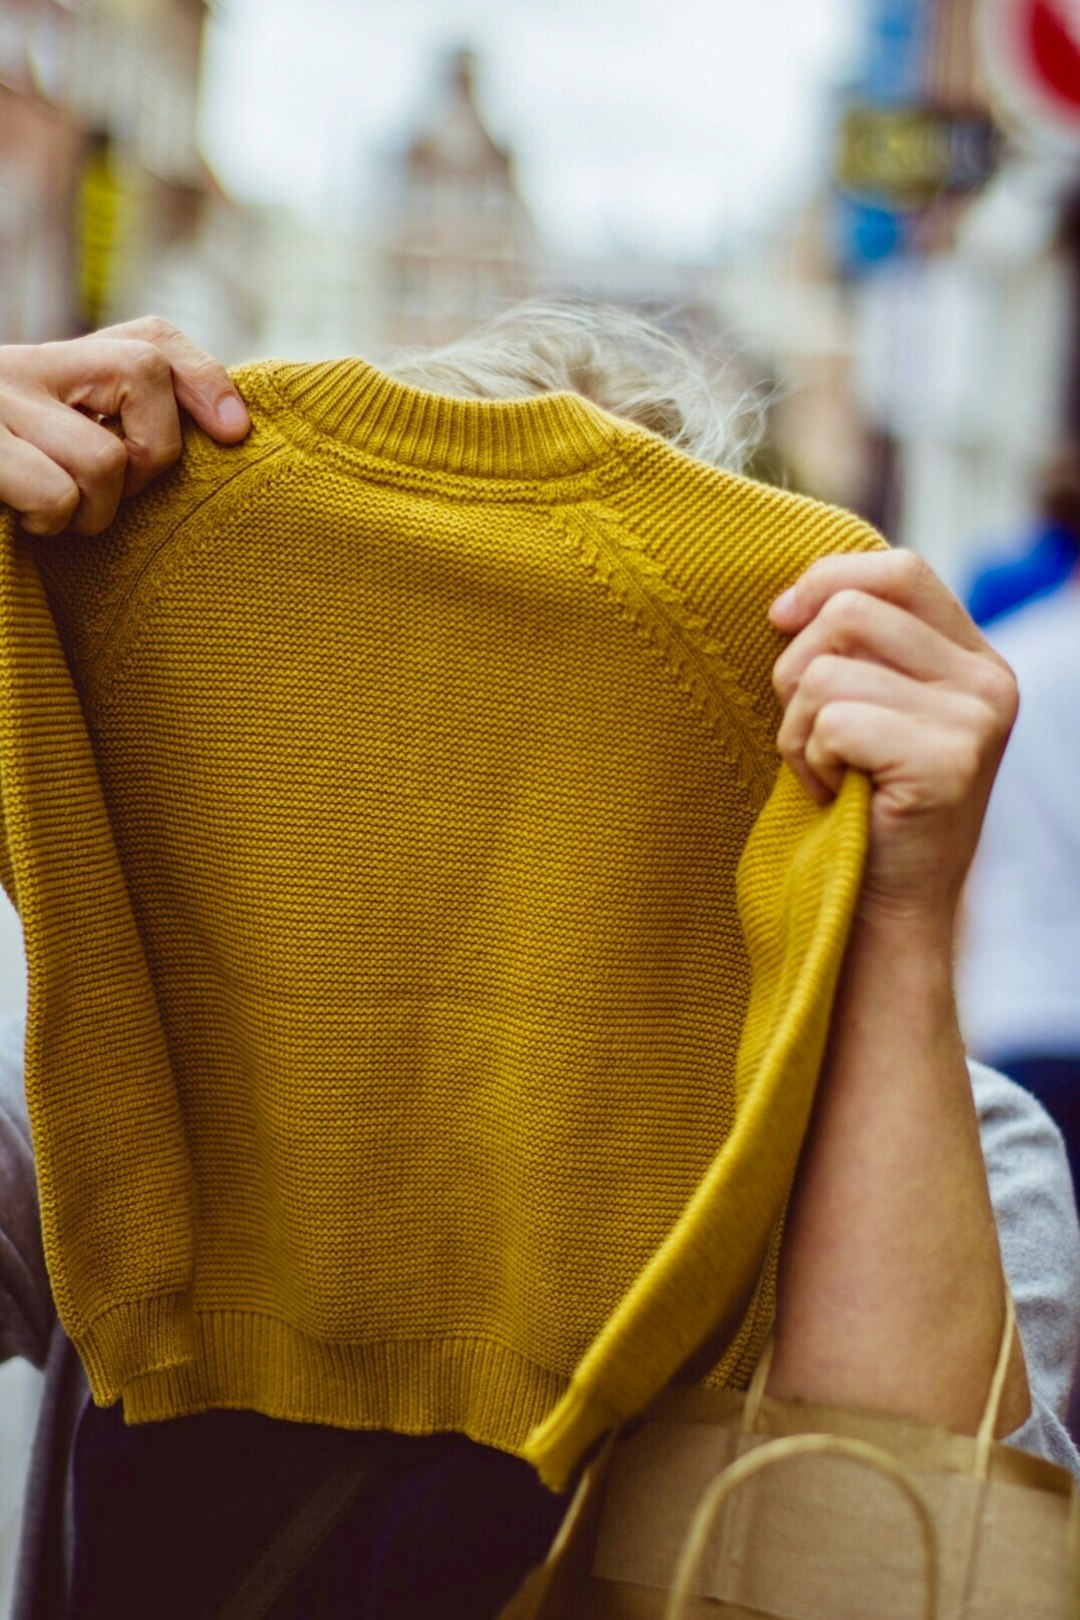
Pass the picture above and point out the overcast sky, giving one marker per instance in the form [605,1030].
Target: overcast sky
[661,127]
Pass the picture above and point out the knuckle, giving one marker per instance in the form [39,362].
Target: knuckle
[155,328]
[1006,693]
[995,685]
[820,568]
[969,722]
[84,523]
[54,508]
[147,364]
[846,609]
[852,603]
[15,358]
[817,580]
[817,679]
[960,749]
[827,727]
[160,453]
[817,754]
[107,460]
[911,569]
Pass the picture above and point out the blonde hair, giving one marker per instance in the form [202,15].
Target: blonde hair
[623,362]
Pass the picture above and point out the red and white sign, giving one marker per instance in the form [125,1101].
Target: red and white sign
[1032,53]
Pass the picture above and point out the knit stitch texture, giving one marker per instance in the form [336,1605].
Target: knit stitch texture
[429,967]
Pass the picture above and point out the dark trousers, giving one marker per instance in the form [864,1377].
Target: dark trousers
[203,1516]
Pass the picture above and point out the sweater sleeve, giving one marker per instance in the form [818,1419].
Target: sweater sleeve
[26,1308]
[1032,1194]
[115,1202]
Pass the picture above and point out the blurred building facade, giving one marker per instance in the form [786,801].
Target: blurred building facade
[449,241]
[101,180]
[917,326]
[925,313]
[456,239]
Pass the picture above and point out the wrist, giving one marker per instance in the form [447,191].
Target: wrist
[898,979]
[920,931]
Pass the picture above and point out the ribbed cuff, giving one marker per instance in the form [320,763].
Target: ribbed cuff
[556,1446]
[146,1336]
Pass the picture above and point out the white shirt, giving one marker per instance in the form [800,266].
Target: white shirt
[1019,970]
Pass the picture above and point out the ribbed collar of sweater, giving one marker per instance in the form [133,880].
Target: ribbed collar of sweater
[541,437]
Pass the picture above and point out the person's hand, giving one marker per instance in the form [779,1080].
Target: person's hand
[887,673]
[60,467]
[891,1295]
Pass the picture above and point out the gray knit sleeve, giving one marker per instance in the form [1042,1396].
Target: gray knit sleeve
[1032,1194]
[26,1308]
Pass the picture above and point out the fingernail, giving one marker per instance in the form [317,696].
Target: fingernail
[784,603]
[231,414]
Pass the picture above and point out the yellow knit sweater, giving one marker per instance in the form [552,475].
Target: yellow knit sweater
[407,1045]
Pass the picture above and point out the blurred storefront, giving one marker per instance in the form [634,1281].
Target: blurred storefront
[950,236]
[101,182]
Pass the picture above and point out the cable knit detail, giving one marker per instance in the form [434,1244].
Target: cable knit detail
[681,640]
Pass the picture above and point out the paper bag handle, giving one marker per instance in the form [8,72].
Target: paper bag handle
[984,1435]
[776,1451]
[755,1393]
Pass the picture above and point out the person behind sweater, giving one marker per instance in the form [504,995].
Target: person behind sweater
[883,672]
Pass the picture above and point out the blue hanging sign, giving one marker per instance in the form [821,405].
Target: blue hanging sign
[894,59]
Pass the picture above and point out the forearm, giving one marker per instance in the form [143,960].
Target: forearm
[891,1292]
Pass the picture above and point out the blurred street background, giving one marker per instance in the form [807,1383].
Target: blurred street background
[867,210]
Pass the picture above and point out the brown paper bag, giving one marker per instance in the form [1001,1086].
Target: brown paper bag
[730,1505]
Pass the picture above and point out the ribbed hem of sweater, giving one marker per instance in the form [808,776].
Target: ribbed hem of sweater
[247,1360]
